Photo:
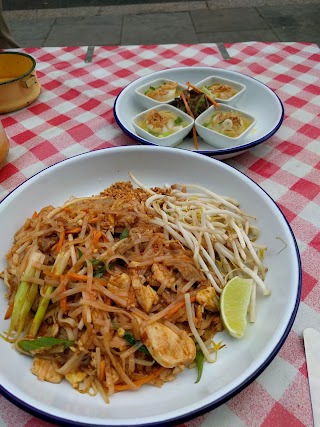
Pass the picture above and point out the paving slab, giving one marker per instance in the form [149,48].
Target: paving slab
[294,22]
[83,31]
[158,28]
[224,4]
[246,18]
[303,33]
[238,36]
[293,14]
[31,42]
[53,4]
[134,9]
[31,30]
[22,15]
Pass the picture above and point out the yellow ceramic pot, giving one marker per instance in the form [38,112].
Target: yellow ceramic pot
[19,85]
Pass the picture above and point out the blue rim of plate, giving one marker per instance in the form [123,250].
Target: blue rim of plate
[217,152]
[204,409]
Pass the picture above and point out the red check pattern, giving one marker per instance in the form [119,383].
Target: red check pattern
[74,115]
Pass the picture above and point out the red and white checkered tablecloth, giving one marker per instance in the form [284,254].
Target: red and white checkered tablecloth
[74,114]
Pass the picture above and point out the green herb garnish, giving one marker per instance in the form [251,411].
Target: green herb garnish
[178,120]
[99,272]
[199,363]
[151,89]
[99,267]
[206,91]
[132,341]
[43,342]
[124,234]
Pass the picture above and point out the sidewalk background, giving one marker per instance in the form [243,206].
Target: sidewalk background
[46,23]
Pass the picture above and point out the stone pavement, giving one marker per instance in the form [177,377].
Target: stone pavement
[213,21]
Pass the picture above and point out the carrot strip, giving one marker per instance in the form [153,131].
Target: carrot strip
[53,275]
[96,236]
[177,307]
[9,309]
[83,278]
[186,105]
[76,276]
[73,230]
[59,245]
[107,301]
[102,368]
[63,300]
[94,220]
[194,132]
[140,382]
[35,215]
[200,91]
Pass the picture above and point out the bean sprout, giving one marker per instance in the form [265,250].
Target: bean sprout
[214,228]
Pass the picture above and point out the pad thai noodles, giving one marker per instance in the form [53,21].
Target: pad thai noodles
[118,290]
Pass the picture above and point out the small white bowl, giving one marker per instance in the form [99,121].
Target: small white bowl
[167,141]
[148,102]
[215,138]
[240,88]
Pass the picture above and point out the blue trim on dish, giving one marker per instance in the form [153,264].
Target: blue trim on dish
[219,152]
[206,408]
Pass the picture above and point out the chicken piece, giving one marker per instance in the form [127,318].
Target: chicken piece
[168,348]
[75,378]
[45,370]
[46,242]
[146,296]
[189,271]
[86,340]
[199,313]
[168,297]
[162,275]
[120,285]
[207,298]
[133,264]
[118,342]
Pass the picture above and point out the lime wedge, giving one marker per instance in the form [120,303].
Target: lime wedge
[234,303]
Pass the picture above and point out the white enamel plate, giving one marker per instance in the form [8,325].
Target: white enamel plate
[238,363]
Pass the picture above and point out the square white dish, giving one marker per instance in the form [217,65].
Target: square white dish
[166,141]
[238,87]
[217,139]
[148,102]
